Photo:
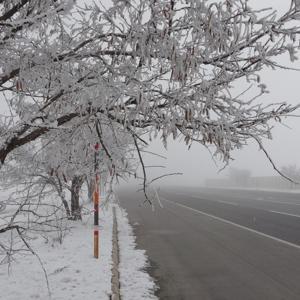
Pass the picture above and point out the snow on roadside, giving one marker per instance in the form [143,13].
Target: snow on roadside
[135,282]
[73,273]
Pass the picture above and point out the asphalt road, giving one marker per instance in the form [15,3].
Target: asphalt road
[220,244]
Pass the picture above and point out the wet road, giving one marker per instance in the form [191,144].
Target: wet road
[220,244]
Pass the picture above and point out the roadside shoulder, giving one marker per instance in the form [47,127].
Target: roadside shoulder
[135,282]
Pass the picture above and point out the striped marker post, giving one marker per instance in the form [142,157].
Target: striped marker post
[96,204]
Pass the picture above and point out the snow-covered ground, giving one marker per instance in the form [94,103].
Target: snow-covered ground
[72,271]
[135,282]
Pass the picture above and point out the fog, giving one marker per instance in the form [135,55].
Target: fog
[197,163]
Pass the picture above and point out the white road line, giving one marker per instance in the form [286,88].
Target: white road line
[259,200]
[226,202]
[219,201]
[234,224]
[277,202]
[282,213]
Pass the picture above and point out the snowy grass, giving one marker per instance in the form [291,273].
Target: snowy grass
[135,282]
[72,271]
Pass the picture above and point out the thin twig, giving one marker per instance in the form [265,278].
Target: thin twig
[271,161]
[165,175]
[39,259]
[143,168]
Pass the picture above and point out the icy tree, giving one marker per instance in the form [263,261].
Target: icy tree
[162,68]
[165,65]
[64,160]
[77,160]
[46,177]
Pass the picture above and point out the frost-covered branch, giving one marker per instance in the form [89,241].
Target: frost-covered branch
[167,68]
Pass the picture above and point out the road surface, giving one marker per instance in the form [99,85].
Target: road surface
[207,244]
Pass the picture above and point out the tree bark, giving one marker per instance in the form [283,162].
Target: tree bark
[90,185]
[62,197]
[66,206]
[77,182]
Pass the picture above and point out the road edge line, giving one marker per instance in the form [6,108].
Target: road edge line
[234,224]
[283,213]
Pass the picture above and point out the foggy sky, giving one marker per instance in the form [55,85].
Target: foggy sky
[197,164]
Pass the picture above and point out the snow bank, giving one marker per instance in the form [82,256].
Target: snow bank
[72,271]
[135,282]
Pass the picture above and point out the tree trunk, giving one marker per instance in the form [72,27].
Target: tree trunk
[62,197]
[90,185]
[66,205]
[77,182]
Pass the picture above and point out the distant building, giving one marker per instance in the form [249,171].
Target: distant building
[267,182]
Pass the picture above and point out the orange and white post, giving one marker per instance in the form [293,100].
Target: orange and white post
[96,198]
